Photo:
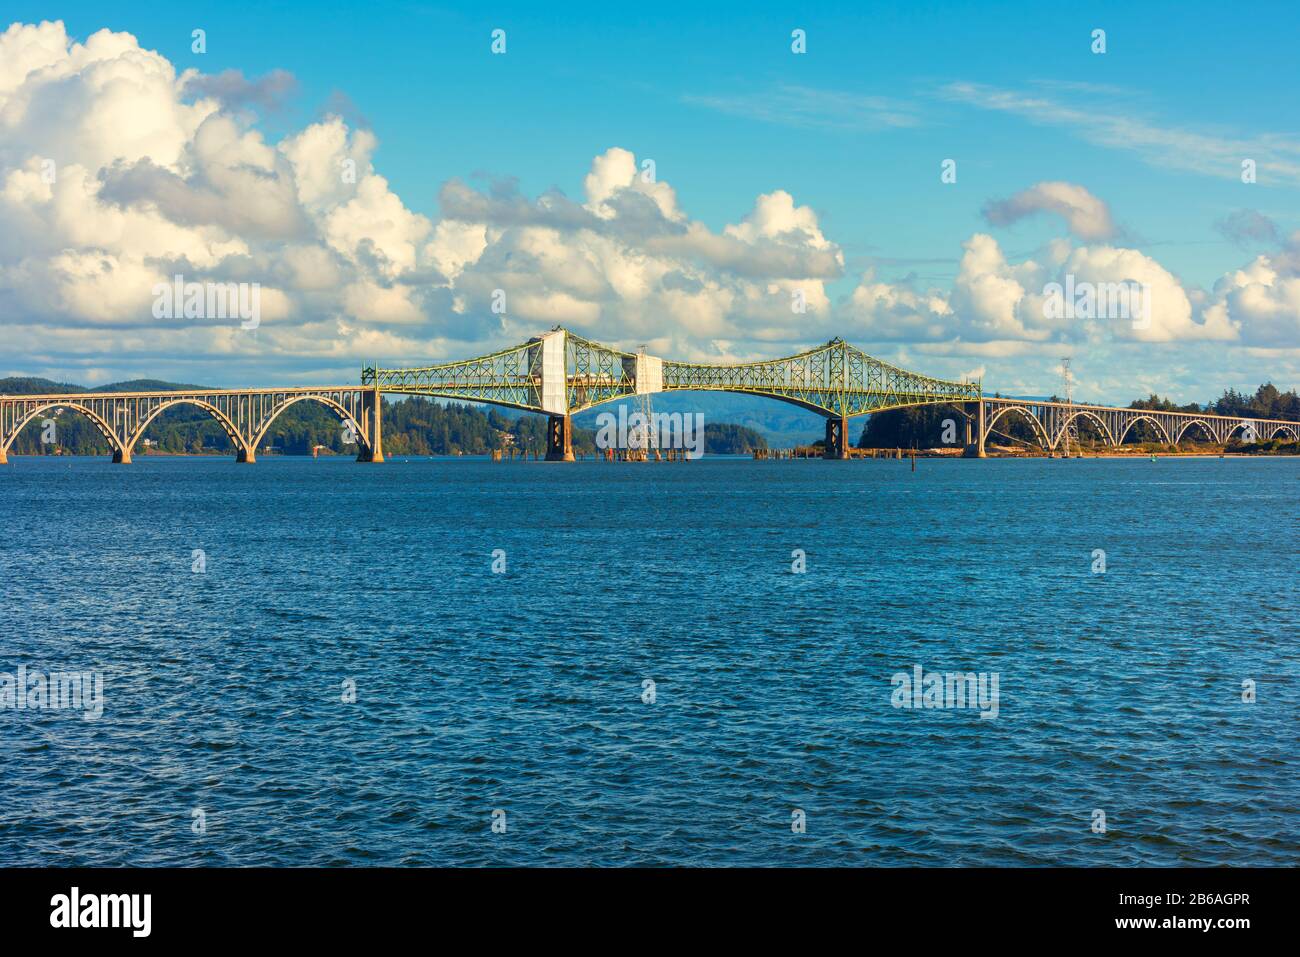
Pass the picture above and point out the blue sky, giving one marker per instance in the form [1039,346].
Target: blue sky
[855,129]
[600,75]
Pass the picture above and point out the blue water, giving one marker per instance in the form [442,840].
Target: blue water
[522,691]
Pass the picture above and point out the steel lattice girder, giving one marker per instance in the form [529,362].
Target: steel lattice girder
[597,373]
[511,377]
[834,379]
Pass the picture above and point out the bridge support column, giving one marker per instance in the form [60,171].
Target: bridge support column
[122,456]
[975,450]
[559,439]
[246,453]
[4,457]
[372,409]
[837,438]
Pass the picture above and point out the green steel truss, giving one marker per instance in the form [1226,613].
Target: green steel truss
[596,373]
[834,380]
[511,377]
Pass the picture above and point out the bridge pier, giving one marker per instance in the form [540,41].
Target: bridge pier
[975,450]
[372,407]
[245,453]
[559,438]
[837,438]
[122,456]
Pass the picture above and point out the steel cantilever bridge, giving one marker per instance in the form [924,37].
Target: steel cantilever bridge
[559,374]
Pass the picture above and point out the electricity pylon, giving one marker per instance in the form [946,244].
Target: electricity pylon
[1071,430]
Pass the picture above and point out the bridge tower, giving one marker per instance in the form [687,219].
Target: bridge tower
[837,422]
[550,361]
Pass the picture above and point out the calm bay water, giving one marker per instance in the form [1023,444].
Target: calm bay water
[523,691]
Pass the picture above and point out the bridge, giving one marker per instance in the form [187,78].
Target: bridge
[1051,420]
[244,414]
[559,374]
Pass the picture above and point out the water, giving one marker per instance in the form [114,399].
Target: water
[523,691]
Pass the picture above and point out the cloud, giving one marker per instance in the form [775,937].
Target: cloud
[159,174]
[505,206]
[804,107]
[1086,216]
[1245,226]
[1263,297]
[234,91]
[227,177]
[993,300]
[1103,121]
[117,173]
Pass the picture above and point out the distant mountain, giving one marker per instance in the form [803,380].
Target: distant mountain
[149,385]
[780,423]
[34,385]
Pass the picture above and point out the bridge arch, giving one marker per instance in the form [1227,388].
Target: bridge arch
[1128,427]
[241,447]
[341,413]
[120,453]
[1283,427]
[1231,429]
[1091,416]
[1043,440]
[1206,430]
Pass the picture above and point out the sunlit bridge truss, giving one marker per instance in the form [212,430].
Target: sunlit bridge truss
[833,380]
[560,373]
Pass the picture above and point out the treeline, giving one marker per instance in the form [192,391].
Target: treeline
[726,439]
[1266,403]
[412,426]
[923,426]
[916,427]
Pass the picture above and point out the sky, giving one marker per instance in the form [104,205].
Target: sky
[660,175]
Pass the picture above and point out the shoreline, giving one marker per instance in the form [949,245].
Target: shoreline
[906,456]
